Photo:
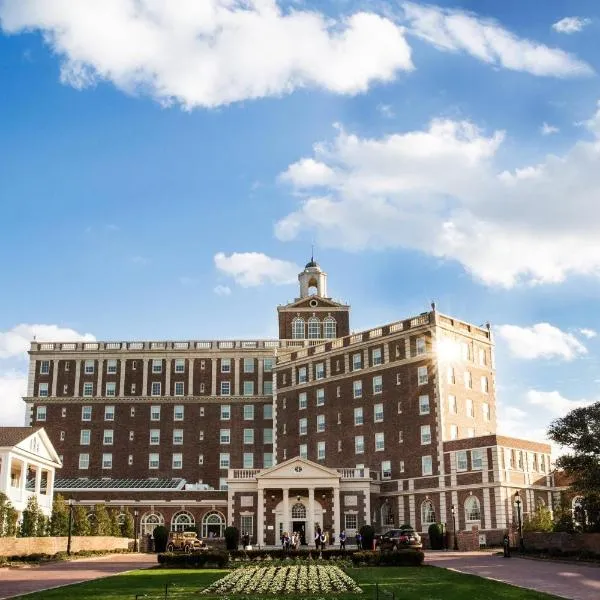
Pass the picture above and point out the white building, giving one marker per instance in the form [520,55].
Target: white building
[28,462]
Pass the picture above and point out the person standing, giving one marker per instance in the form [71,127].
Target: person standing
[343,539]
[358,540]
[318,536]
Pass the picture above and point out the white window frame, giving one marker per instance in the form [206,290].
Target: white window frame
[359,444]
[248,412]
[302,401]
[44,367]
[376,357]
[108,437]
[359,416]
[386,469]
[179,388]
[155,413]
[379,441]
[179,412]
[155,387]
[177,437]
[303,426]
[225,365]
[41,413]
[378,414]
[224,460]
[378,384]
[157,365]
[303,451]
[43,390]
[320,396]
[424,404]
[177,460]
[248,388]
[225,388]
[154,437]
[248,460]
[84,461]
[357,389]
[425,435]
[111,366]
[85,437]
[248,436]
[426,465]
[179,365]
[88,389]
[110,389]
[109,413]
[153,460]
[477,459]
[107,461]
[248,365]
[462,461]
[357,361]
[320,423]
[89,367]
[321,451]
[225,412]
[421,346]
[302,375]
[225,436]
[319,371]
[86,413]
[422,375]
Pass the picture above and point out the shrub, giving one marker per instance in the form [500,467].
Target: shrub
[436,536]
[161,537]
[368,535]
[59,522]
[32,518]
[540,520]
[232,538]
[409,557]
[128,526]
[81,523]
[197,560]
[101,524]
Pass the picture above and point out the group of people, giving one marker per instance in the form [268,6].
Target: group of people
[291,542]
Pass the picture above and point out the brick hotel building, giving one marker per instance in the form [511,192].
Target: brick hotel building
[323,426]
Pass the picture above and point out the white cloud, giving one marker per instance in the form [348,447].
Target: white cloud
[385,110]
[488,41]
[554,402]
[504,227]
[16,341]
[540,341]
[222,290]
[571,24]
[588,333]
[212,52]
[254,268]
[547,129]
[13,386]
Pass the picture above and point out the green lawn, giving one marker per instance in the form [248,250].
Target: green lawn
[424,583]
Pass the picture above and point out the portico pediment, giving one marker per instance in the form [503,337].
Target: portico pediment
[39,445]
[298,470]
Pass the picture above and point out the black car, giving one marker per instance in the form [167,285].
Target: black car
[396,539]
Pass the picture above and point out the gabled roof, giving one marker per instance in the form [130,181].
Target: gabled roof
[15,437]
[11,436]
[306,303]
[297,468]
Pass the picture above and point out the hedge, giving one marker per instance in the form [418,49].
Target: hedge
[197,560]
[42,557]
[280,553]
[397,558]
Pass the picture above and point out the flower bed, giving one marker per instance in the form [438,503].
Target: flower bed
[305,580]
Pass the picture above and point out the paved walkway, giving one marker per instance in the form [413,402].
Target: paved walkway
[577,582]
[15,582]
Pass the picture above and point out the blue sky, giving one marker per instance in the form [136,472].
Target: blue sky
[165,170]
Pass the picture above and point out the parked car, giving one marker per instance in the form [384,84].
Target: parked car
[184,541]
[395,539]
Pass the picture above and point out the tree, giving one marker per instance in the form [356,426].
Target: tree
[101,525]
[30,519]
[8,517]
[81,523]
[115,524]
[127,527]
[59,522]
[579,430]
[539,520]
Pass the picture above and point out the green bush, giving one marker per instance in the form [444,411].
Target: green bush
[161,537]
[409,557]
[197,560]
[280,554]
[368,535]
[436,536]
[232,538]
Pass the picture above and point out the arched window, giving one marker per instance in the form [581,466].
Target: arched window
[329,327]
[298,328]
[387,515]
[213,525]
[472,509]
[427,513]
[314,328]
[149,522]
[299,511]
[182,521]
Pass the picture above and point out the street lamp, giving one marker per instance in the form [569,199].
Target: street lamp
[453,509]
[135,530]
[519,521]
[70,526]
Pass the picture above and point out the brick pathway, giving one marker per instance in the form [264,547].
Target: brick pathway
[577,582]
[14,582]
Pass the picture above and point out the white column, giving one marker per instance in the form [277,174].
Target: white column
[168,376]
[260,518]
[237,365]
[23,481]
[310,518]
[144,377]
[286,509]
[99,380]
[122,363]
[54,376]
[336,512]
[77,376]
[38,480]
[190,377]
[6,464]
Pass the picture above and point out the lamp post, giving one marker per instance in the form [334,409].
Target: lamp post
[519,521]
[70,526]
[135,530]
[453,509]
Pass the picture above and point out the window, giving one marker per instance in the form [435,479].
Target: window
[268,365]
[40,413]
[248,388]
[179,388]
[223,484]
[88,389]
[303,451]
[320,371]
[177,437]
[357,361]
[302,377]
[338,391]
[398,379]
[472,510]
[450,375]
[268,411]
[130,459]
[302,401]
[88,367]
[520,460]
[62,436]
[63,412]
[386,469]
[86,413]
[379,442]
[153,460]
[376,357]
[111,366]
[378,413]
[314,328]
[477,460]
[485,407]
[427,514]
[267,460]
[399,407]
[248,460]
[359,444]
[267,388]
[422,375]
[357,389]
[461,460]
[110,389]
[202,365]
[421,346]
[43,390]
[180,365]
[329,327]
[225,388]
[453,432]
[248,365]
[154,437]
[44,367]
[268,435]
[155,391]
[200,459]
[484,384]
[302,426]
[248,412]
[351,521]
[298,328]
[465,351]
[320,423]
[225,412]
[108,437]
[469,408]
[225,365]
[452,405]
[155,413]
[358,416]
[426,465]
[107,461]
[157,365]
[400,436]
[320,450]
[377,384]
[109,413]
[225,436]
[424,405]
[134,365]
[401,466]
[178,412]
[177,460]
[467,379]
[482,357]
[131,436]
[425,435]
[320,397]
[133,388]
[248,436]
[84,437]
[84,461]
[67,366]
